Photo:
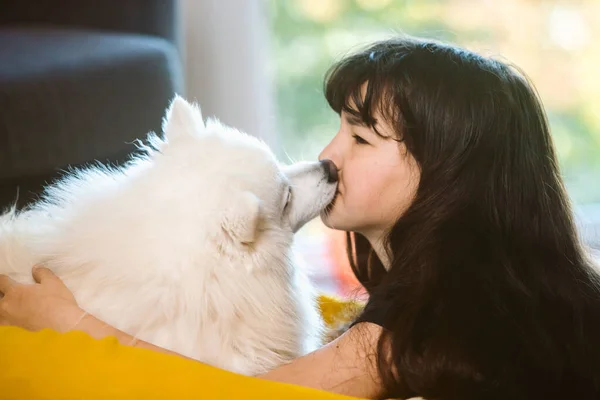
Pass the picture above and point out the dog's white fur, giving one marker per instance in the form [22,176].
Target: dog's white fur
[188,247]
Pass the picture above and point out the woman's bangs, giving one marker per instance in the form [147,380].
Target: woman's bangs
[361,88]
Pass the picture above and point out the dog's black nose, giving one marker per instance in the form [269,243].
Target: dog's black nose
[331,170]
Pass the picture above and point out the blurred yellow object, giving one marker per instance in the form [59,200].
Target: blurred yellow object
[338,314]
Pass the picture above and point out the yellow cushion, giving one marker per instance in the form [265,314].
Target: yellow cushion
[49,365]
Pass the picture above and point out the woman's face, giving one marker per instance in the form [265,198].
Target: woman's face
[378,178]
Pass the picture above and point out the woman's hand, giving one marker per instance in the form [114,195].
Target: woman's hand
[45,304]
[50,304]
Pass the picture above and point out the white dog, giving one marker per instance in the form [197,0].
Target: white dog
[188,247]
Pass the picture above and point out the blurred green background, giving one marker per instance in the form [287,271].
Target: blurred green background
[557,43]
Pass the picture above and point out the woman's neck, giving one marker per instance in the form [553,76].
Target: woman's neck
[378,244]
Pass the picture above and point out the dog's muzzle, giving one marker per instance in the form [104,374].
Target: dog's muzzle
[330,170]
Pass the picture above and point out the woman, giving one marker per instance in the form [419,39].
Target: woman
[458,226]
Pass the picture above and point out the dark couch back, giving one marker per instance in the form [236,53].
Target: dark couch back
[149,17]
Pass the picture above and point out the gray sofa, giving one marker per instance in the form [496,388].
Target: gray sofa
[79,81]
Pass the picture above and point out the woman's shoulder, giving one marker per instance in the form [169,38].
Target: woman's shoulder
[345,366]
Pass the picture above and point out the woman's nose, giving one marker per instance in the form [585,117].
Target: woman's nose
[330,170]
[331,160]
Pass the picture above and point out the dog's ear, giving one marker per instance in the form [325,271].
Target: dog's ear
[182,119]
[241,218]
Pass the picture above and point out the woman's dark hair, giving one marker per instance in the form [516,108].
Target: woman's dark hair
[490,294]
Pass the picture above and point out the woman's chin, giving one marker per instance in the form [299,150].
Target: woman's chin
[327,217]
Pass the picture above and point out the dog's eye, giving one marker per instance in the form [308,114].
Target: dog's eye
[288,199]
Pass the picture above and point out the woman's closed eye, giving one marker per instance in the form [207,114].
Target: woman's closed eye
[358,139]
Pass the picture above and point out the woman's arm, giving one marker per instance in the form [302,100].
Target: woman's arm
[99,330]
[344,366]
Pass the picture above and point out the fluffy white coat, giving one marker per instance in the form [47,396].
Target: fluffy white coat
[188,247]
